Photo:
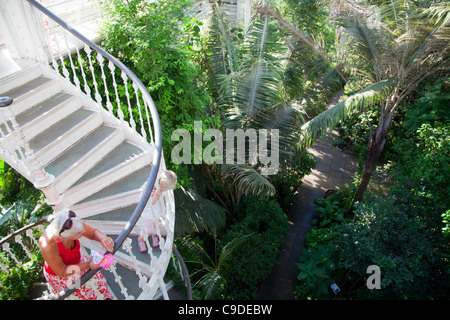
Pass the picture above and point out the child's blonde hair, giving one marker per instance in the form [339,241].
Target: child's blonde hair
[168,180]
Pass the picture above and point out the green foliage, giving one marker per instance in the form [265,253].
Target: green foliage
[155,40]
[211,276]
[319,261]
[267,225]
[430,107]
[354,131]
[17,282]
[399,244]
[316,268]
[403,232]
[422,171]
[289,177]
[446,221]
[27,205]
[310,17]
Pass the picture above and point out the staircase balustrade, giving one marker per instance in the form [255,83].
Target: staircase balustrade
[106,81]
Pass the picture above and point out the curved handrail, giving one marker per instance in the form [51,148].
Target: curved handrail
[185,272]
[157,140]
[48,219]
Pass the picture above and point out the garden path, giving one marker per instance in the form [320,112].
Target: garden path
[334,168]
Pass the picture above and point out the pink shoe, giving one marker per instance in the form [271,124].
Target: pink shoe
[155,241]
[141,245]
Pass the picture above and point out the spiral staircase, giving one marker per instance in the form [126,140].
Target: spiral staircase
[65,125]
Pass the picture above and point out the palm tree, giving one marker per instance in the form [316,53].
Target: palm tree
[389,49]
[245,80]
[195,213]
[212,272]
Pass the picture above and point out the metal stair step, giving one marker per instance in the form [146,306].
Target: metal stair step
[121,154]
[71,156]
[42,108]
[59,129]
[134,181]
[26,88]
[29,94]
[121,214]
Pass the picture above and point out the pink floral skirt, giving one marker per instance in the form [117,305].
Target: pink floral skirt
[95,289]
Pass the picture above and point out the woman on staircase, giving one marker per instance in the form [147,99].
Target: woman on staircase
[64,262]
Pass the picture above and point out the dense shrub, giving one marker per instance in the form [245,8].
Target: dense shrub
[253,262]
[289,177]
[319,261]
[402,231]
[401,245]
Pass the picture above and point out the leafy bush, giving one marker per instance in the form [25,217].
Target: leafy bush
[264,219]
[26,206]
[17,282]
[430,107]
[422,174]
[155,40]
[319,261]
[288,178]
[354,132]
[399,244]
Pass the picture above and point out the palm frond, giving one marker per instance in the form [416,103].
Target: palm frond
[327,120]
[195,213]
[439,12]
[427,42]
[223,52]
[368,47]
[228,250]
[247,179]
[193,252]
[256,86]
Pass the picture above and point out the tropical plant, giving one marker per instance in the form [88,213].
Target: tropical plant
[212,274]
[385,234]
[246,83]
[154,40]
[389,49]
[196,213]
[266,223]
[316,268]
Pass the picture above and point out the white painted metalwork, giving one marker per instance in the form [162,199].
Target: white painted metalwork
[67,53]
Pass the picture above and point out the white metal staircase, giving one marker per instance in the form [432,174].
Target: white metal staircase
[84,155]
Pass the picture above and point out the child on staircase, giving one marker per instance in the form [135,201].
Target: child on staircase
[152,212]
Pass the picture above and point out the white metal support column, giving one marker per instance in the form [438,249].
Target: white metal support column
[19,29]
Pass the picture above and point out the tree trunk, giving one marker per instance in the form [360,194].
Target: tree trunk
[374,149]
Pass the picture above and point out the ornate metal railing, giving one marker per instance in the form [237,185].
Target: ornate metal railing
[112,85]
[61,41]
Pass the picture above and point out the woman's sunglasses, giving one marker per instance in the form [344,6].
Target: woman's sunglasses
[68,223]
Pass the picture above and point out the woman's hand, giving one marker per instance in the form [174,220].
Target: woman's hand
[96,235]
[107,243]
[92,265]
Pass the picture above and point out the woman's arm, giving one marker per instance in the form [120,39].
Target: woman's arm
[96,235]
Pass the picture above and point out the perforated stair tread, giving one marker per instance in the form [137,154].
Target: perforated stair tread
[132,182]
[59,129]
[26,88]
[80,149]
[41,108]
[121,215]
[121,154]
